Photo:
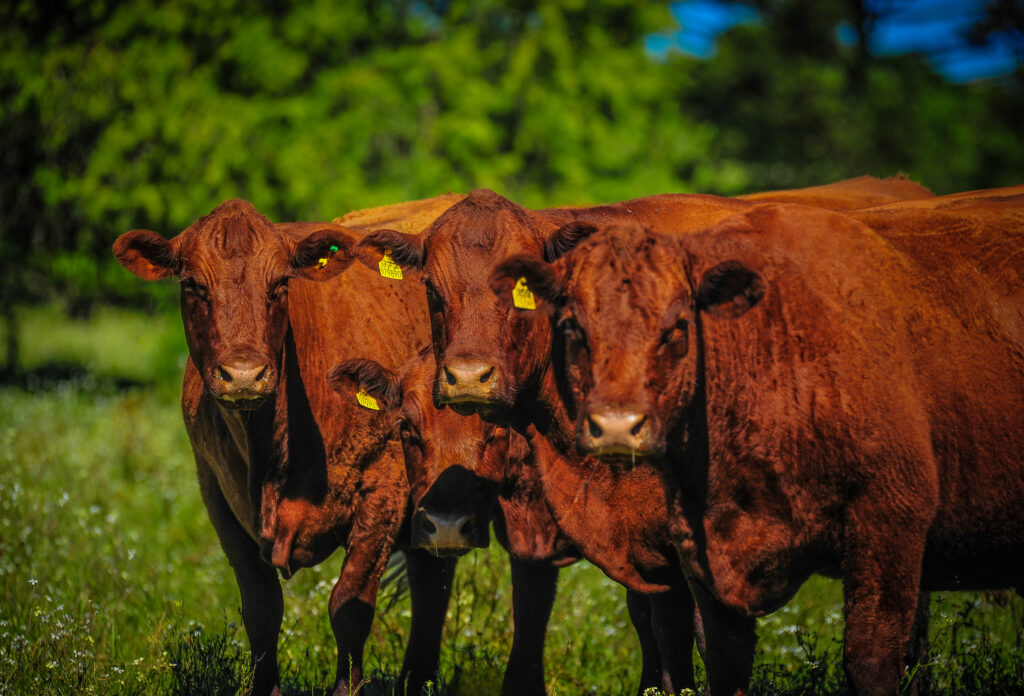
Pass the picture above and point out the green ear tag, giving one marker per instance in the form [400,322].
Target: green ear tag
[522,298]
[366,401]
[322,263]
[388,267]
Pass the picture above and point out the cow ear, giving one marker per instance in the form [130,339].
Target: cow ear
[526,282]
[729,289]
[146,254]
[565,239]
[389,252]
[369,383]
[323,254]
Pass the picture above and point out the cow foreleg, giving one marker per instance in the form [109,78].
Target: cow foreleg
[880,587]
[430,588]
[354,596]
[533,594]
[672,623]
[729,642]
[917,648]
[650,667]
[262,603]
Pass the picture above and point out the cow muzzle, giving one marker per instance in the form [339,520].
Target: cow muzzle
[617,434]
[448,534]
[242,384]
[467,383]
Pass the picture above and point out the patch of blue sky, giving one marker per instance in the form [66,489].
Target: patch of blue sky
[701,22]
[938,29]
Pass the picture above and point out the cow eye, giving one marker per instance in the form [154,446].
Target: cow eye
[279,289]
[571,329]
[677,333]
[434,301]
[191,287]
[409,435]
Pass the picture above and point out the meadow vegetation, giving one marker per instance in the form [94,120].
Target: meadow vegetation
[112,580]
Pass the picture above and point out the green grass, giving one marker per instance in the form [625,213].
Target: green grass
[112,580]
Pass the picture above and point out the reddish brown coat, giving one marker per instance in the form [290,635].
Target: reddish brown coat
[463,472]
[284,462]
[833,393]
[496,360]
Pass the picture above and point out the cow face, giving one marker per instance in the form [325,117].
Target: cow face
[487,353]
[626,311]
[234,267]
[455,464]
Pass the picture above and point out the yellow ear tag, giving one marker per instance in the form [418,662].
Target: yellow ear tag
[366,401]
[322,263]
[522,298]
[388,267]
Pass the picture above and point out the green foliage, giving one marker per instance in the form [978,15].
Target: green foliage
[810,109]
[146,113]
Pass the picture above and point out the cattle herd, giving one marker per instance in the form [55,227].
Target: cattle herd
[708,398]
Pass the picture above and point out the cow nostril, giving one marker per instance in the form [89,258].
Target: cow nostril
[223,374]
[466,530]
[487,375]
[261,374]
[428,526]
[449,376]
[635,430]
[595,429]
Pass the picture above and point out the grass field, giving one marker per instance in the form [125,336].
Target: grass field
[112,580]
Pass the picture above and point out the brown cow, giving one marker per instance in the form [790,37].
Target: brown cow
[827,393]
[456,473]
[461,472]
[496,361]
[284,463]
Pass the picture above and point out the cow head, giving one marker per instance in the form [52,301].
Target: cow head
[487,353]
[455,464]
[234,266]
[625,305]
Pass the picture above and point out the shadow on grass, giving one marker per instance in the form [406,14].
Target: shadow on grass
[57,375]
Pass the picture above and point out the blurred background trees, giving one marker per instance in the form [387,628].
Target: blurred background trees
[118,114]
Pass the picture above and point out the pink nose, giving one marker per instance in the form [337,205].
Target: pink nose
[615,431]
[242,380]
[467,380]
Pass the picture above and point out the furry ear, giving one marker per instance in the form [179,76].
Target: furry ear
[386,251]
[146,254]
[729,290]
[323,254]
[565,239]
[360,378]
[526,282]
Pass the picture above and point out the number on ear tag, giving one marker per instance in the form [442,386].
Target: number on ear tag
[366,401]
[388,267]
[522,298]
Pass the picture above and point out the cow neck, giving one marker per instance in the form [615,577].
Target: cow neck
[261,435]
[566,476]
[542,413]
[686,471]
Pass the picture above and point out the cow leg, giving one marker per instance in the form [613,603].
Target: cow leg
[354,596]
[650,666]
[262,603]
[917,648]
[533,594]
[881,584]
[430,588]
[672,623]
[729,641]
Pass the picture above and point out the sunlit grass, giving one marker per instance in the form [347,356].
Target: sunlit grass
[112,580]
